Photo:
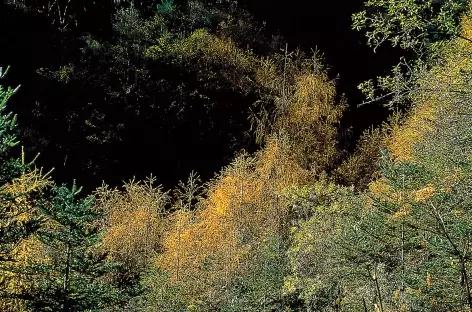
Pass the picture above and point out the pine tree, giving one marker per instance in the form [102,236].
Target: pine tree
[74,278]
[12,230]
[21,188]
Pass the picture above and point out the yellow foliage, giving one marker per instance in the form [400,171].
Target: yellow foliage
[428,279]
[451,180]
[24,190]
[380,189]
[425,193]
[16,279]
[402,213]
[208,246]
[202,49]
[437,88]
[134,221]
[204,248]
[310,117]
[279,164]
[396,294]
[266,74]
[411,131]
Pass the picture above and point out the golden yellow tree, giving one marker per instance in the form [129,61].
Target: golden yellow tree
[207,247]
[134,224]
[16,278]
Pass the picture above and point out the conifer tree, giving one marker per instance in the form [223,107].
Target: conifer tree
[12,228]
[74,278]
[21,187]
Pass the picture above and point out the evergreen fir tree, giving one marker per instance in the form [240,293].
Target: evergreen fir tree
[75,277]
[12,228]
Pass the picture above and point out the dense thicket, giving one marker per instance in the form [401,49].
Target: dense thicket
[299,224]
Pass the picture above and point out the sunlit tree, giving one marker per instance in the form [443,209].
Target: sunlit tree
[20,192]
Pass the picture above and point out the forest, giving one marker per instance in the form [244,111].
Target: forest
[185,156]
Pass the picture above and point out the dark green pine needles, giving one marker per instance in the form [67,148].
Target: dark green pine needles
[75,277]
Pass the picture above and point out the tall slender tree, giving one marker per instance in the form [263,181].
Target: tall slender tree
[21,186]
[74,278]
[12,230]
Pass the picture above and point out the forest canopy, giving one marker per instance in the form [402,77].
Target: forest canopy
[301,214]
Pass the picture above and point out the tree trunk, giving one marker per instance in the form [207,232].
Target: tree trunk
[466,281]
[378,288]
[65,285]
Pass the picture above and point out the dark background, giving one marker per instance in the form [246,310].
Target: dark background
[26,45]
[327,25]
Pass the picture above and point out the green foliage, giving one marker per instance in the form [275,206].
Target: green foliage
[165,8]
[397,88]
[8,120]
[272,232]
[159,295]
[410,24]
[421,26]
[13,228]
[407,245]
[414,240]
[319,274]
[73,279]
[259,287]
